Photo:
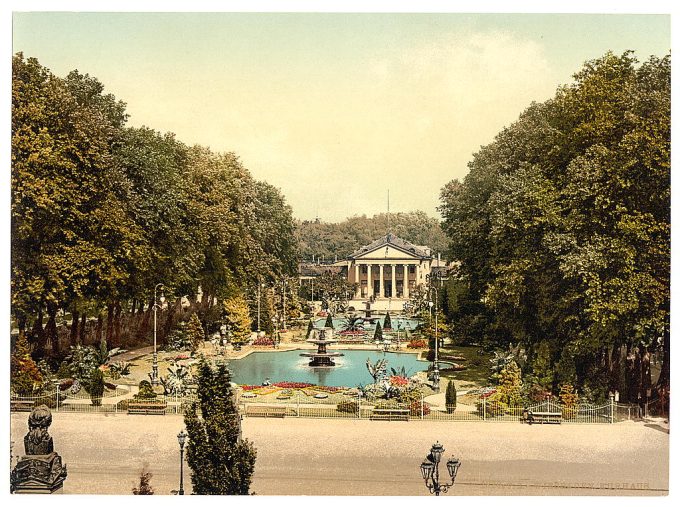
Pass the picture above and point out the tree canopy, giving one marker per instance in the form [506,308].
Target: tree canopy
[562,227]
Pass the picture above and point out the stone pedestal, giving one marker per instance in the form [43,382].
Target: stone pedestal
[40,471]
[41,474]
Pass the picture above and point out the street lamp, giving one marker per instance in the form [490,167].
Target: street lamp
[429,469]
[154,366]
[181,438]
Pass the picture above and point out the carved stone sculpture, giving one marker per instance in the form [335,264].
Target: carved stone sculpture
[41,469]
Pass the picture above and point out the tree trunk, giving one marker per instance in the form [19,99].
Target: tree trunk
[109,324]
[170,318]
[143,329]
[116,324]
[38,333]
[73,338]
[663,382]
[82,338]
[51,328]
[99,332]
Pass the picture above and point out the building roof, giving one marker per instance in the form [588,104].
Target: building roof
[396,242]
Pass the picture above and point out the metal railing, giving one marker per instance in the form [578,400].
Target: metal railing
[317,404]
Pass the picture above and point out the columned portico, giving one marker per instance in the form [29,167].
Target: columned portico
[398,264]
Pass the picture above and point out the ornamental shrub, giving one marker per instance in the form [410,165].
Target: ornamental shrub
[378,335]
[221,462]
[450,397]
[569,399]
[25,377]
[310,328]
[387,322]
[417,344]
[415,408]
[348,406]
[146,392]
[96,387]
[329,321]
[194,333]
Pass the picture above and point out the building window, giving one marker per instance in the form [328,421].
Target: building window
[411,269]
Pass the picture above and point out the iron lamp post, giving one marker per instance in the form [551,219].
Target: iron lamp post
[181,438]
[154,365]
[429,469]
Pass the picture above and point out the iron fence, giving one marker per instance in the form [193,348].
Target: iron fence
[320,404]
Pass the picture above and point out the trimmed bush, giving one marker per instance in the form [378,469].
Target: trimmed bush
[96,387]
[348,406]
[450,397]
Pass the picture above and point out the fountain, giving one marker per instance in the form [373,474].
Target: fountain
[322,357]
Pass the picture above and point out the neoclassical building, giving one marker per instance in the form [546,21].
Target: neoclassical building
[387,271]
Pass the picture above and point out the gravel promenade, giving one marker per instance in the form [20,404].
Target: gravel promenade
[105,454]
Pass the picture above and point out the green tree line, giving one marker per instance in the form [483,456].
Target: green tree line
[325,241]
[101,213]
[562,228]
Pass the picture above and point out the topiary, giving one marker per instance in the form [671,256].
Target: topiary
[96,387]
[378,335]
[450,397]
[329,321]
[387,323]
[146,391]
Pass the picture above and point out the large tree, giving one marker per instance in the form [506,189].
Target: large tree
[562,227]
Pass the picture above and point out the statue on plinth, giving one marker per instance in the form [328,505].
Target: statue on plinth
[41,469]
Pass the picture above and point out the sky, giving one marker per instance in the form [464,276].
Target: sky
[335,109]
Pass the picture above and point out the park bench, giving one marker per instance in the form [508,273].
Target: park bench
[21,405]
[390,414]
[542,417]
[146,408]
[265,410]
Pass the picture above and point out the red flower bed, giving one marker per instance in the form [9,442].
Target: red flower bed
[398,381]
[417,344]
[415,408]
[263,341]
[352,333]
[322,313]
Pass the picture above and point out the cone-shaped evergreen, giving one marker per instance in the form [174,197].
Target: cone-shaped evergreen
[194,331]
[388,321]
[329,321]
[450,397]
[96,387]
[220,462]
[377,336]
[310,327]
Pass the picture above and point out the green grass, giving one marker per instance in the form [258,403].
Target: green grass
[477,365]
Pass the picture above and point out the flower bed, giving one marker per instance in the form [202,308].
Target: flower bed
[263,341]
[417,344]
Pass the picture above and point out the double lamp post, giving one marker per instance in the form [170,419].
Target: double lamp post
[429,469]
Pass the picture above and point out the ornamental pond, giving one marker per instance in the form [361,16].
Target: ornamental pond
[350,369]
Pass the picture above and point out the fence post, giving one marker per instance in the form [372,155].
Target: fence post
[56,394]
[611,410]
[298,404]
[484,409]
[422,406]
[359,405]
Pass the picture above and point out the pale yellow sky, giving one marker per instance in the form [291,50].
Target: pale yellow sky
[335,109]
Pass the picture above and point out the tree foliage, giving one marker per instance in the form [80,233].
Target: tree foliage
[562,227]
[101,213]
[221,462]
[324,241]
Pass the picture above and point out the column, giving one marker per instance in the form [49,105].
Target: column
[357,280]
[417,275]
[382,282]
[369,282]
[394,280]
[405,281]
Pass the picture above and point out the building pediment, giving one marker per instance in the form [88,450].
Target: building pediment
[391,247]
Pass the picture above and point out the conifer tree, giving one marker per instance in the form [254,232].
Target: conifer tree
[96,387]
[221,462]
[388,321]
[378,335]
[310,328]
[450,397]
[329,321]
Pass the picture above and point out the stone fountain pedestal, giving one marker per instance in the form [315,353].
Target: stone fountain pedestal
[322,358]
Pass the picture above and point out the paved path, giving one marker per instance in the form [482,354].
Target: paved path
[105,454]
